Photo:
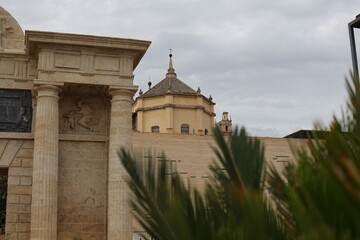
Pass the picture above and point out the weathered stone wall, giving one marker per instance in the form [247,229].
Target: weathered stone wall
[19,189]
[192,154]
[82,186]
[82,190]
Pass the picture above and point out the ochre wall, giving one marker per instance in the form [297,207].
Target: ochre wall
[192,154]
[185,111]
[83,171]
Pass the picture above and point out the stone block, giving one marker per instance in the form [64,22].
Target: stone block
[18,208]
[92,236]
[27,171]
[16,171]
[95,218]
[23,227]
[13,180]
[28,144]
[16,162]
[10,227]
[24,236]
[25,181]
[69,218]
[19,189]
[72,227]
[11,235]
[26,199]
[25,153]
[93,227]
[11,218]
[24,218]
[27,162]
[13,198]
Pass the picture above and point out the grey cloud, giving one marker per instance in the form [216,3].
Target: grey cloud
[276,66]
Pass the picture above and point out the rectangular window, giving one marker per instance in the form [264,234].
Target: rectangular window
[184,128]
[155,129]
[15,110]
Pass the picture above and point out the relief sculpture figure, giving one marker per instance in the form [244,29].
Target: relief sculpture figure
[83,117]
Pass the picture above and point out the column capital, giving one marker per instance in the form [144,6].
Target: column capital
[47,88]
[122,93]
[40,82]
[123,90]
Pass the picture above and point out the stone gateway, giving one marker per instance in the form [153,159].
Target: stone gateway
[66,107]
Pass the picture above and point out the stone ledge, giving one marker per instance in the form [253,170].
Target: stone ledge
[15,135]
[83,138]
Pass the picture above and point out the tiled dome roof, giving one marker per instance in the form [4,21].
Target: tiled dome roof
[170,84]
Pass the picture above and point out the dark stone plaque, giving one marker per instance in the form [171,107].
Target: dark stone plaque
[15,110]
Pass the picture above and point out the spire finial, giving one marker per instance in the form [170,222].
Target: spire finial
[171,71]
[149,83]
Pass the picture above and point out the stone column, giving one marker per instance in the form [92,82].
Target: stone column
[45,164]
[119,214]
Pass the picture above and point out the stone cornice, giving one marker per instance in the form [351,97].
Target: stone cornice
[175,106]
[178,94]
[33,38]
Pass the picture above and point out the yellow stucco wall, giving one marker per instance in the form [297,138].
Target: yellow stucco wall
[193,153]
[169,112]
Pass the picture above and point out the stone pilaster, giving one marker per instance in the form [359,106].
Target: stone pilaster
[119,215]
[45,164]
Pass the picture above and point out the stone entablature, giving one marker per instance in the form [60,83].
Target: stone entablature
[73,58]
[81,88]
[17,71]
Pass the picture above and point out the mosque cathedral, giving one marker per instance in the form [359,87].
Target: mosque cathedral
[66,107]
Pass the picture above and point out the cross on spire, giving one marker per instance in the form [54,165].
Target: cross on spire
[171,71]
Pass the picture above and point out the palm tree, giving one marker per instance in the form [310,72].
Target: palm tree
[232,206]
[319,200]
[322,197]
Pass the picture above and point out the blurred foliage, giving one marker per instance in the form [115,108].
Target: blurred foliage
[322,196]
[232,206]
[318,199]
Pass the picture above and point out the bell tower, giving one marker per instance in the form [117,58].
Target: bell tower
[225,124]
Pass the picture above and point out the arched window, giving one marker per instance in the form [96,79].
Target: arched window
[226,128]
[206,132]
[155,129]
[184,128]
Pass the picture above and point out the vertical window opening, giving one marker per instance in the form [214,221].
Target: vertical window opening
[155,129]
[184,128]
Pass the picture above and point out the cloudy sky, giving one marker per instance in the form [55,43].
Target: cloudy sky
[276,66]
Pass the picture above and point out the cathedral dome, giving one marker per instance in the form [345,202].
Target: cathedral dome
[171,106]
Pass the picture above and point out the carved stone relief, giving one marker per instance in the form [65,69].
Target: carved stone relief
[82,111]
[11,35]
[83,117]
